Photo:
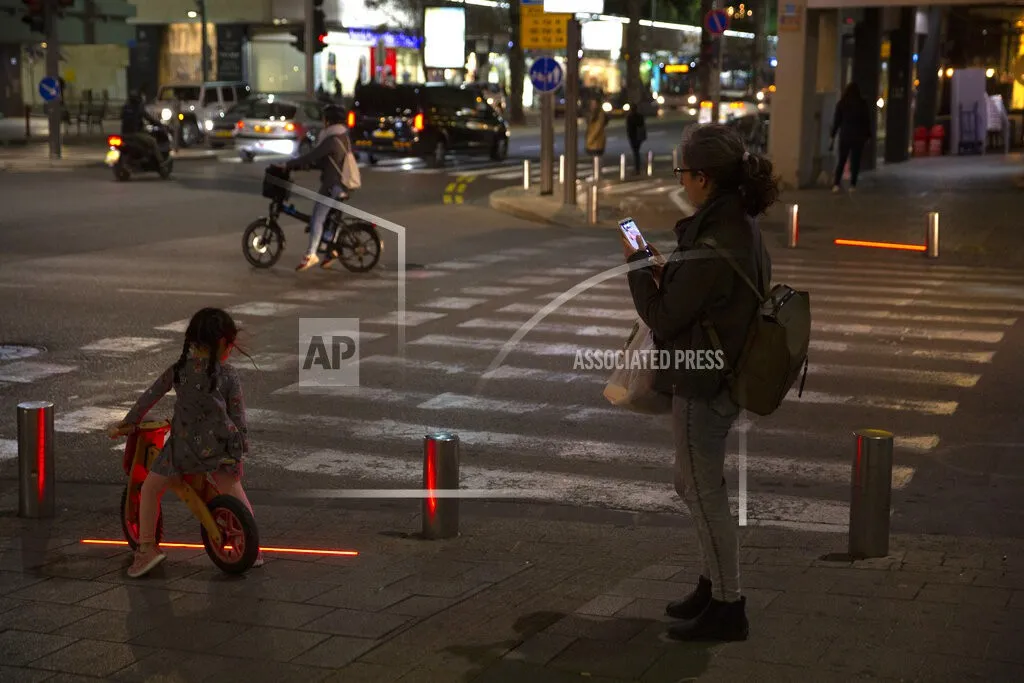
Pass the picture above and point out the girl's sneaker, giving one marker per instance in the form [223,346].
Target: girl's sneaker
[307,262]
[145,562]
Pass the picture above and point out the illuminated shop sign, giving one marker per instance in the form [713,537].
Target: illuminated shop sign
[365,36]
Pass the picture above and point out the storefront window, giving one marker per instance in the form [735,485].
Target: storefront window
[180,62]
[277,67]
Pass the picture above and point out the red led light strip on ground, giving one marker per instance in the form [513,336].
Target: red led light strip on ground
[199,546]
[41,454]
[881,245]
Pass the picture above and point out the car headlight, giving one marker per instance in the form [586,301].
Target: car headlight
[661,99]
[606,106]
[625,107]
[165,115]
[209,124]
[693,99]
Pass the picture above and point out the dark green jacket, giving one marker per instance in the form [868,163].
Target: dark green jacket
[696,282]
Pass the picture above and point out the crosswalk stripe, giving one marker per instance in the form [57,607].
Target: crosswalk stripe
[921,303]
[553,449]
[8,449]
[852,268]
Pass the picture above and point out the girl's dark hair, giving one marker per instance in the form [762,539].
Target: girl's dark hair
[718,152]
[206,329]
[852,93]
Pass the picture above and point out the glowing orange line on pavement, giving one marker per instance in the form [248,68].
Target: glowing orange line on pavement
[882,245]
[199,546]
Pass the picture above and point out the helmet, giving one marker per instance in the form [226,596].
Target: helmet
[333,114]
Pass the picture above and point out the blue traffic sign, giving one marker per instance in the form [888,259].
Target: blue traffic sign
[49,89]
[716,21]
[546,74]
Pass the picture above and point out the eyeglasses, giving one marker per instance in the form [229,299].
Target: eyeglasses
[680,171]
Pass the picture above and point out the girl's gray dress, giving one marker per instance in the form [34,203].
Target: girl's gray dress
[208,429]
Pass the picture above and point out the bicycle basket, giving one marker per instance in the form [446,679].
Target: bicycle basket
[272,190]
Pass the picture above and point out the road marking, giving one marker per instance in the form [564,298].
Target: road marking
[533,280]
[457,265]
[879,402]
[902,352]
[492,291]
[454,191]
[440,340]
[563,272]
[571,311]
[922,303]
[765,509]
[27,371]
[88,419]
[171,292]
[911,332]
[552,328]
[954,379]
[524,251]
[311,295]
[266,362]
[8,449]
[412,318]
[372,284]
[491,258]
[959,273]
[262,308]
[179,326]
[453,303]
[124,345]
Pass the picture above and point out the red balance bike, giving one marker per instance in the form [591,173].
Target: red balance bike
[226,525]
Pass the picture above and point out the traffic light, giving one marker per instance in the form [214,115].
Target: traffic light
[319,26]
[34,16]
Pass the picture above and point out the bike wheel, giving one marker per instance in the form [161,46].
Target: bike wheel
[262,243]
[240,540]
[131,529]
[359,247]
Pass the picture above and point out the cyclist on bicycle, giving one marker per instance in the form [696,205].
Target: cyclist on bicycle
[329,157]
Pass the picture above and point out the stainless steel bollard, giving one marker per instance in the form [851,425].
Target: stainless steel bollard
[793,224]
[440,474]
[871,494]
[675,157]
[35,460]
[596,171]
[526,174]
[622,166]
[932,236]
[650,162]
[561,169]
[592,203]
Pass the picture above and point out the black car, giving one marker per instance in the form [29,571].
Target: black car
[425,120]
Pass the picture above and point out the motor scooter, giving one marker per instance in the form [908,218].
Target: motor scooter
[128,156]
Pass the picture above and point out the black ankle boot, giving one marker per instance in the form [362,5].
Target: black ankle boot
[693,604]
[726,621]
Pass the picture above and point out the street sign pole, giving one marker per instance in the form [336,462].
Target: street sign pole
[572,79]
[547,142]
[716,22]
[53,72]
[310,81]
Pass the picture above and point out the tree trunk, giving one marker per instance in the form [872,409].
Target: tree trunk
[516,67]
[633,49]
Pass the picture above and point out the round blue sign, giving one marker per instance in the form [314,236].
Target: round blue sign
[546,74]
[49,89]
[716,21]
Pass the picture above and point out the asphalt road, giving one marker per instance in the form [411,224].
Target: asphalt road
[102,275]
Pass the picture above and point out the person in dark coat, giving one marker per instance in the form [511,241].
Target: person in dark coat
[853,122]
[636,129]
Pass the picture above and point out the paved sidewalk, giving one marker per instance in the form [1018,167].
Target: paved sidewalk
[526,593]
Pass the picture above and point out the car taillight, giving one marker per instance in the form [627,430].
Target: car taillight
[417,123]
[114,140]
[351,121]
[240,125]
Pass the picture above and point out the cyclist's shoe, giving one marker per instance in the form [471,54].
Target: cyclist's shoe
[307,262]
[329,258]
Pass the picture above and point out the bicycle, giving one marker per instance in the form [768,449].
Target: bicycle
[227,527]
[356,241]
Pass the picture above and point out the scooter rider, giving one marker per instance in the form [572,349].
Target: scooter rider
[133,119]
[329,157]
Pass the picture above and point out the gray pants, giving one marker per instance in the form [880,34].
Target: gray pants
[700,427]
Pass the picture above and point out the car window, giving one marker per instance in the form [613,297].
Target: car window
[267,110]
[228,93]
[211,97]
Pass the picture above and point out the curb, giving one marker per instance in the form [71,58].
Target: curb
[510,200]
[46,164]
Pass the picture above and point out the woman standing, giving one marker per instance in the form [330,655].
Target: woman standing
[852,121]
[675,298]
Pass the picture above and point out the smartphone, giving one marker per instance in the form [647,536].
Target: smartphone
[632,233]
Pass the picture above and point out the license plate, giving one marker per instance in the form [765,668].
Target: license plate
[261,129]
[383,133]
[363,143]
[113,156]
[222,133]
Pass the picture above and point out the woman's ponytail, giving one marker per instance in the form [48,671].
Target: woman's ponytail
[758,186]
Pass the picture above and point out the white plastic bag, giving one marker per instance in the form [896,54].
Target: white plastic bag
[633,388]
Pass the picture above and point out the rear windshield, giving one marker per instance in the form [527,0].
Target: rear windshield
[183,93]
[375,100]
[267,110]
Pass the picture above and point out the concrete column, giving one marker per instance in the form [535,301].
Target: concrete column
[867,63]
[901,86]
[795,121]
[928,69]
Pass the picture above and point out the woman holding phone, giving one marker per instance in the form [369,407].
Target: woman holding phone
[674,297]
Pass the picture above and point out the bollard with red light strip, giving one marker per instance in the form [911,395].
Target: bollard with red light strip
[36,478]
[871,494]
[440,474]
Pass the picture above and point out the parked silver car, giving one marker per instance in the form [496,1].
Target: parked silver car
[276,125]
[197,106]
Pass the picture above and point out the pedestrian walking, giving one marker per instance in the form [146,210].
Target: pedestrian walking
[597,124]
[853,122]
[636,130]
[676,299]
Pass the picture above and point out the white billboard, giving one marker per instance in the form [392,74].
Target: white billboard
[444,36]
[574,6]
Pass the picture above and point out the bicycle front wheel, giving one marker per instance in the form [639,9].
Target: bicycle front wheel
[263,243]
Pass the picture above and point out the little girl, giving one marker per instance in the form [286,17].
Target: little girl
[208,430]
